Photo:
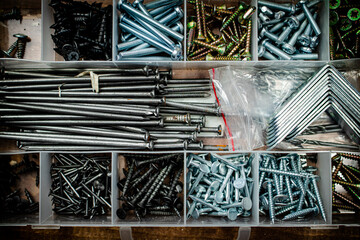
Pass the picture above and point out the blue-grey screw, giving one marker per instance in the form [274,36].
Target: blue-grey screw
[175,53]
[268,184]
[302,196]
[135,13]
[289,8]
[264,18]
[263,53]
[163,14]
[307,50]
[266,33]
[156,4]
[294,157]
[289,46]
[138,53]
[265,163]
[218,209]
[283,35]
[282,55]
[219,195]
[305,56]
[301,213]
[176,14]
[286,209]
[139,4]
[277,27]
[318,197]
[204,169]
[310,18]
[304,38]
[267,11]
[161,9]
[278,15]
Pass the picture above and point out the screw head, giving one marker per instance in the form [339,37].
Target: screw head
[232,214]
[261,51]
[304,40]
[279,14]
[219,196]
[314,41]
[293,22]
[279,199]
[239,183]
[195,214]
[289,49]
[215,167]
[247,203]
[306,50]
[20,36]
[266,182]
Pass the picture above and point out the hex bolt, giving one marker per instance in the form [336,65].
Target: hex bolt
[310,18]
[289,46]
[282,55]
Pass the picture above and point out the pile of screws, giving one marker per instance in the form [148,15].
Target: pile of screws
[12,202]
[82,30]
[219,33]
[17,48]
[133,109]
[81,185]
[223,186]
[150,29]
[345,177]
[151,186]
[14,13]
[344,29]
[288,31]
[287,190]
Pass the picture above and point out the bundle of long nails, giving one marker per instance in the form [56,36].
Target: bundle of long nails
[288,31]
[113,109]
[81,185]
[345,183]
[151,186]
[221,187]
[19,201]
[289,191]
[151,31]
[219,33]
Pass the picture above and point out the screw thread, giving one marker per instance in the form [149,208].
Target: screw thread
[271,203]
[21,49]
[232,17]
[198,20]
[342,197]
[203,20]
[235,48]
[190,40]
[168,170]
[287,208]
[343,206]
[352,176]
[350,156]
[300,213]
[337,169]
[204,44]
[318,197]
[144,189]
[248,37]
[346,183]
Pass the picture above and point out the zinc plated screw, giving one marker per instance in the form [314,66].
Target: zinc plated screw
[314,179]
[304,38]
[263,53]
[301,213]
[289,8]
[289,46]
[282,55]
[310,18]
[268,184]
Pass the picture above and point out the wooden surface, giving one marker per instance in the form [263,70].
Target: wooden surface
[178,233]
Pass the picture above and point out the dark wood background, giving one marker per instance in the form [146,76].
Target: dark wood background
[177,233]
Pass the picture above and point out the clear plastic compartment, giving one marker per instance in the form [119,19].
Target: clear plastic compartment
[323,165]
[251,220]
[47,215]
[30,26]
[26,180]
[119,163]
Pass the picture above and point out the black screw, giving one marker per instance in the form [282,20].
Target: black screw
[21,44]
[14,13]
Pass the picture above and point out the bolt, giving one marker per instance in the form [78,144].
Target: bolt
[289,46]
[282,55]
[288,8]
[310,18]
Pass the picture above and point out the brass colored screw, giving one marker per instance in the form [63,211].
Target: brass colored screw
[342,206]
[346,183]
[209,57]
[342,197]
[203,20]
[247,53]
[220,50]
[201,54]
[337,169]
[191,26]
[204,48]
[350,156]
[198,18]
[211,35]
[332,43]
[232,17]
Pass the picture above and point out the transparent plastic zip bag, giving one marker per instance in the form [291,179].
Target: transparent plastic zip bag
[249,97]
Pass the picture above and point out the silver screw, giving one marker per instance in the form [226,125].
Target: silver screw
[301,213]
[289,46]
[289,8]
[282,55]
[318,197]
[310,18]
[268,184]
[263,53]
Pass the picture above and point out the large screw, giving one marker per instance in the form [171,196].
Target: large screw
[21,44]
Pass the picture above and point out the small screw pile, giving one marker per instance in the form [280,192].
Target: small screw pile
[14,13]
[81,185]
[219,33]
[288,31]
[221,187]
[288,188]
[344,29]
[152,186]
[345,177]
[12,202]
[82,30]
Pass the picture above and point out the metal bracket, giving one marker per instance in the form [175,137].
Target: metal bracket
[125,233]
[244,233]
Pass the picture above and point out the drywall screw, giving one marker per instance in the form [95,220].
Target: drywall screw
[301,213]
[232,17]
[346,183]
[143,190]
[128,177]
[21,44]
[282,55]
[338,195]
[268,184]
[350,156]
[289,8]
